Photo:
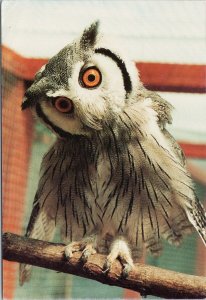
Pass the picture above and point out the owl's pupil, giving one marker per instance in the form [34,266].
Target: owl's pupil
[63,104]
[91,77]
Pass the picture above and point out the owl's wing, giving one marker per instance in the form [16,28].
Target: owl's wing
[40,227]
[162,107]
[175,146]
[163,110]
[41,224]
[168,206]
[196,215]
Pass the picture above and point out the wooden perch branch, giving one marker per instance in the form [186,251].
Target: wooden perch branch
[144,279]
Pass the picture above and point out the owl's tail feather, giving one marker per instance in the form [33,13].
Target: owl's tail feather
[173,227]
[176,228]
[24,273]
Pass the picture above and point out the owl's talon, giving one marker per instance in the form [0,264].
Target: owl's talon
[71,248]
[126,269]
[84,257]
[68,253]
[86,248]
[87,252]
[106,267]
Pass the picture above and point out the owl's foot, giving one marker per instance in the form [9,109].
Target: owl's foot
[120,250]
[73,247]
[85,246]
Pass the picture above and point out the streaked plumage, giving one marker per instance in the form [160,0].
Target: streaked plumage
[115,179]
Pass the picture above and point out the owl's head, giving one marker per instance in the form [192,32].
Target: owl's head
[83,87]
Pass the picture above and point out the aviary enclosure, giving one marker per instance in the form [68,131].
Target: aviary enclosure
[166,40]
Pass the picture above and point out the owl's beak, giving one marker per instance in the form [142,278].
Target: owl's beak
[26,103]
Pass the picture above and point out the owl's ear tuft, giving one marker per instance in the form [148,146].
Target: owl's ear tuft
[89,35]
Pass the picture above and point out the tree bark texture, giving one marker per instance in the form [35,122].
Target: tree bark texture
[147,280]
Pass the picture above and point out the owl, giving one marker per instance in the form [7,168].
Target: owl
[115,180]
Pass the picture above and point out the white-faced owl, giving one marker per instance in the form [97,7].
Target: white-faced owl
[115,180]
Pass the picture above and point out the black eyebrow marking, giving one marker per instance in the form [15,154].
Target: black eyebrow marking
[121,65]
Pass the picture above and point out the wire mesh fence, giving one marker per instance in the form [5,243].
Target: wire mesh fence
[25,141]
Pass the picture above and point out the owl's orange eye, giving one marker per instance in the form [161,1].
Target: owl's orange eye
[63,104]
[91,77]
